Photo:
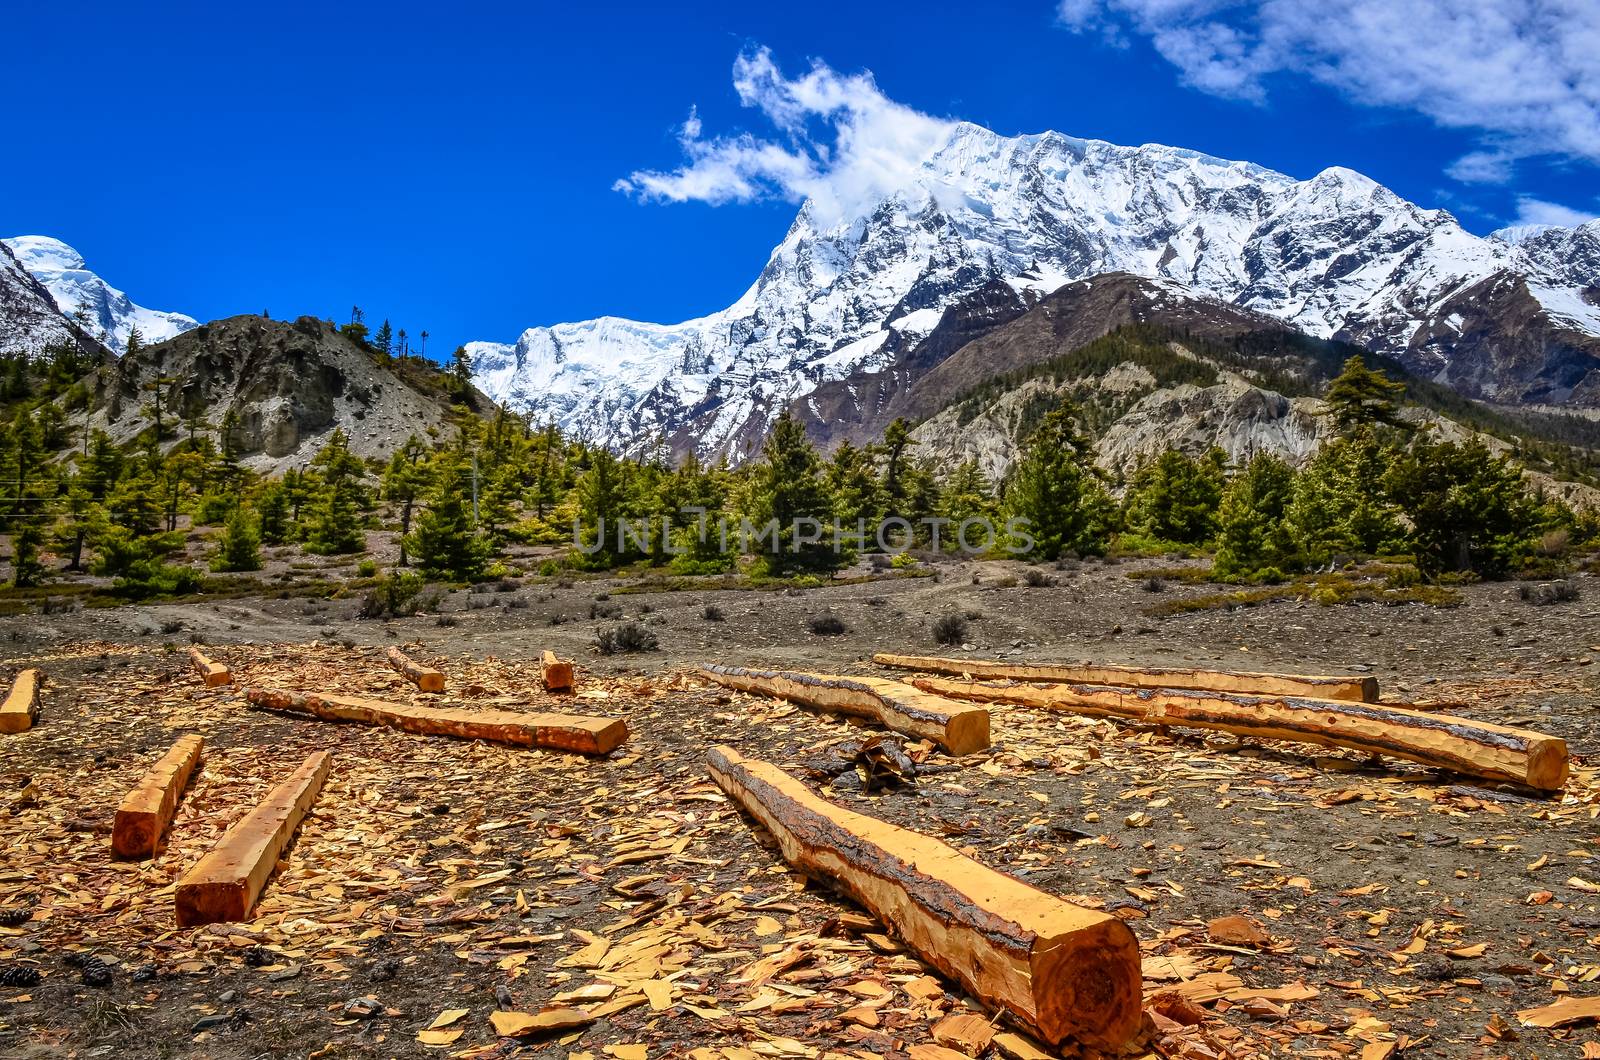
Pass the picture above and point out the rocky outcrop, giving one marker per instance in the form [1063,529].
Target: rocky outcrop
[288,387]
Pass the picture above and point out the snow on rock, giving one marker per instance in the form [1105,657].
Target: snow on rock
[1335,255]
[107,313]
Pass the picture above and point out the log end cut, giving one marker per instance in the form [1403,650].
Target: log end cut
[1088,986]
[212,902]
[556,673]
[21,705]
[1547,763]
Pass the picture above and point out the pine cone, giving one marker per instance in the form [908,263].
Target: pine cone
[96,973]
[19,975]
[259,957]
[15,917]
[77,959]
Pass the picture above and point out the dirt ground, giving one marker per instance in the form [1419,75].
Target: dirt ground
[1403,912]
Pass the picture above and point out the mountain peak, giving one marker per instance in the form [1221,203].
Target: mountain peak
[104,311]
[1335,255]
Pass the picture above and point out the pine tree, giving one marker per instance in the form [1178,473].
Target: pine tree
[1174,498]
[853,483]
[966,495]
[1341,503]
[383,339]
[445,543]
[273,507]
[1055,489]
[404,481]
[25,542]
[790,496]
[334,521]
[239,548]
[1255,540]
[896,440]
[73,531]
[1468,508]
[603,502]
[1363,397]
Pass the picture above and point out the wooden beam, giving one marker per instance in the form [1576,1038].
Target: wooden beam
[225,884]
[424,677]
[959,729]
[1355,689]
[1445,741]
[1064,971]
[21,705]
[147,810]
[555,672]
[212,673]
[563,732]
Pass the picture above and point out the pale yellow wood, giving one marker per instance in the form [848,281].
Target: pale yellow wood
[958,728]
[21,705]
[225,884]
[555,672]
[212,673]
[1446,741]
[425,678]
[147,810]
[1066,972]
[565,732]
[1355,689]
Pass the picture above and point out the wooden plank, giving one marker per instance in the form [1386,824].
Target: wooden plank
[555,672]
[1066,972]
[1355,689]
[424,677]
[1445,741]
[957,728]
[147,810]
[563,732]
[225,884]
[21,705]
[212,673]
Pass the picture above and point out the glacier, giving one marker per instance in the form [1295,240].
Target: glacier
[1337,256]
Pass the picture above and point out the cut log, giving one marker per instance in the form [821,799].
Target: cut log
[147,810]
[424,677]
[563,732]
[957,728]
[212,673]
[21,705]
[1064,971]
[1445,741]
[225,884]
[556,673]
[1354,689]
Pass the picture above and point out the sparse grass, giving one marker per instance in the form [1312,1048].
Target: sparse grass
[626,638]
[1182,575]
[1563,592]
[601,611]
[950,629]
[1325,589]
[712,613]
[1037,579]
[827,625]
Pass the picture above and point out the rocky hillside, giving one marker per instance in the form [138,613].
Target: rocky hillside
[1335,256]
[289,386]
[30,323]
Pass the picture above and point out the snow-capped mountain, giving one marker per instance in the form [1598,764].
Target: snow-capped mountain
[30,323]
[1335,256]
[106,313]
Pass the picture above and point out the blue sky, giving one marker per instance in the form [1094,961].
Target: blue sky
[453,167]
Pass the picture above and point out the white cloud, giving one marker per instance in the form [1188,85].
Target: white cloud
[1525,73]
[843,144]
[1532,211]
